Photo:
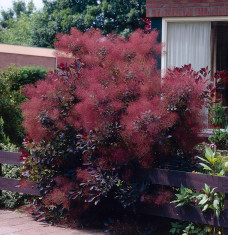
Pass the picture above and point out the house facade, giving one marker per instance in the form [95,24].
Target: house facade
[193,32]
[26,56]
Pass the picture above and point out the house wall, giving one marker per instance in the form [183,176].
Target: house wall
[185,8]
[26,56]
[162,11]
[25,60]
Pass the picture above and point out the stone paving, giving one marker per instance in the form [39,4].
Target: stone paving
[15,223]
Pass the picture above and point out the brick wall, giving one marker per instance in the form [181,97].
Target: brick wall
[26,60]
[26,56]
[175,8]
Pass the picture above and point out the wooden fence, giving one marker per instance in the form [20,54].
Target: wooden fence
[157,176]
[14,184]
[193,181]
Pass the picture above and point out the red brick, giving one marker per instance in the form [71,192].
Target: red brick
[187,8]
[205,12]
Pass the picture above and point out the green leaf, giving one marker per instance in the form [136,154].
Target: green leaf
[205,167]
[180,204]
[203,201]
[209,153]
[221,173]
[216,204]
[205,207]
[173,230]
[207,188]
[217,212]
[176,201]
[182,189]
[212,191]
[204,160]
[174,224]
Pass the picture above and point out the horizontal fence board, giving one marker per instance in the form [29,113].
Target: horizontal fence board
[13,185]
[10,158]
[187,179]
[186,213]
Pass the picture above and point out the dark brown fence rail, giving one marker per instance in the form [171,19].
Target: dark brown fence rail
[193,181]
[157,176]
[187,213]
[14,184]
[187,179]
[10,158]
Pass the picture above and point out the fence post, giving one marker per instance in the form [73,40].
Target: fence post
[226,209]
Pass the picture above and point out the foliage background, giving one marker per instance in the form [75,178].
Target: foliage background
[12,80]
[24,26]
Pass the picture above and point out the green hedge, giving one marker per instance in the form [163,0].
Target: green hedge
[12,199]
[11,81]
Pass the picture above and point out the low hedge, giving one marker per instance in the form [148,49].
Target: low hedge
[12,80]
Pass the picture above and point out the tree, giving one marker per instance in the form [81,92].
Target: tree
[59,16]
[19,7]
[122,16]
[17,23]
[6,17]
[19,32]
[14,14]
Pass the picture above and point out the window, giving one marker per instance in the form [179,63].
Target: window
[188,43]
[200,41]
[220,54]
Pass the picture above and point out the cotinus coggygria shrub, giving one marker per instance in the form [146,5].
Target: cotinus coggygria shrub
[97,119]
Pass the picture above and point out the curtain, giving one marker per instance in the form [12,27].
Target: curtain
[189,43]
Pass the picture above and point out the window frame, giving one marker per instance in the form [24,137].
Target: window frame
[167,20]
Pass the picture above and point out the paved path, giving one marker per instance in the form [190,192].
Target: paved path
[13,223]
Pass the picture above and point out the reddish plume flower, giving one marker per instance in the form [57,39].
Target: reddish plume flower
[59,195]
[115,82]
[83,175]
[163,197]
[121,156]
[55,198]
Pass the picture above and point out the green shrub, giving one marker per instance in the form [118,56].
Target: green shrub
[23,75]
[11,132]
[11,199]
[212,163]
[218,115]
[3,138]
[9,147]
[11,81]
[220,139]
[185,228]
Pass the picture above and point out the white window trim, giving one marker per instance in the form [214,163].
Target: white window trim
[165,22]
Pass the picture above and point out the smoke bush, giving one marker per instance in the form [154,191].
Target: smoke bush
[117,82]
[123,115]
